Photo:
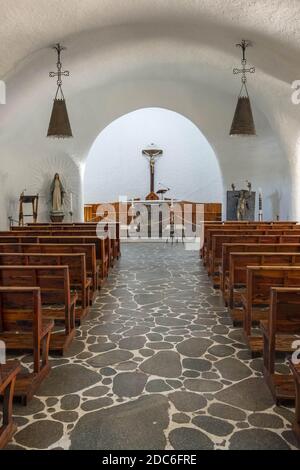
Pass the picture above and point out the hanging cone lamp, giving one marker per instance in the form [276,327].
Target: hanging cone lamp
[243,122]
[59,125]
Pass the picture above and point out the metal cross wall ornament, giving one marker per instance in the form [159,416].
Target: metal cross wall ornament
[243,45]
[243,123]
[59,72]
[59,125]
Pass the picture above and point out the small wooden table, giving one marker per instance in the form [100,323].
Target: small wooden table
[296,372]
[8,374]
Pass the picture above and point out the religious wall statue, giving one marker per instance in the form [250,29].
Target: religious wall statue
[57,199]
[240,203]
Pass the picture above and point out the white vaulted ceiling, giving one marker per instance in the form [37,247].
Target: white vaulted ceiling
[30,25]
[129,54]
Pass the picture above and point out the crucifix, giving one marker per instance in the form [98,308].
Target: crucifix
[152,153]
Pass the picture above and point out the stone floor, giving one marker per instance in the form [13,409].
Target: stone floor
[157,365]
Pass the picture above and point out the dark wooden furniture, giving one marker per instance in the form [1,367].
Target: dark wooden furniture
[26,199]
[228,248]
[8,374]
[238,262]
[102,245]
[58,303]
[89,250]
[22,328]
[256,299]
[280,329]
[76,263]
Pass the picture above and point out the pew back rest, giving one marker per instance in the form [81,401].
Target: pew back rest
[75,262]
[88,249]
[238,263]
[20,308]
[260,279]
[228,248]
[285,310]
[53,281]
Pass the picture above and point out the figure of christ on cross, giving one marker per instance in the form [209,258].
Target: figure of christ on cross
[152,153]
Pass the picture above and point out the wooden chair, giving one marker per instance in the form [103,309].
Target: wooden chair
[22,328]
[8,374]
[57,301]
[296,372]
[280,330]
[256,300]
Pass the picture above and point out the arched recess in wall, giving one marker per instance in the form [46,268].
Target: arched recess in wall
[115,166]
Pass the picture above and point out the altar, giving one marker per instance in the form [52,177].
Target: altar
[154,216]
[153,220]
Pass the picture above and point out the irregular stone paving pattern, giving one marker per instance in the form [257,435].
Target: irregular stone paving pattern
[156,365]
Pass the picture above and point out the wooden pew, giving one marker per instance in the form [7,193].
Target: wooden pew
[218,227]
[22,328]
[238,262]
[112,228]
[228,248]
[8,374]
[219,240]
[79,281]
[247,230]
[102,245]
[280,330]
[215,257]
[256,300]
[296,372]
[58,302]
[89,250]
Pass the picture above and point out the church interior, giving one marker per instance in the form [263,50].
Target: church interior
[149,225]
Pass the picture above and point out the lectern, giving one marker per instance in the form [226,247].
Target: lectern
[26,199]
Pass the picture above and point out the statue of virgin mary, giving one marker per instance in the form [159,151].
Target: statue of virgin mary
[57,194]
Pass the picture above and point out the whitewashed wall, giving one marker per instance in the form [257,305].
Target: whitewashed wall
[115,165]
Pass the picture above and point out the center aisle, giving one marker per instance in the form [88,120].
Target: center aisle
[157,365]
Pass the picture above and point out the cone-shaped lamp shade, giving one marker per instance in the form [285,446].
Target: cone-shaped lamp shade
[243,123]
[59,125]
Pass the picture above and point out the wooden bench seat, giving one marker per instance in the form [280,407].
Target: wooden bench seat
[8,375]
[256,300]
[89,250]
[76,262]
[23,328]
[235,281]
[228,248]
[296,373]
[248,230]
[102,245]
[280,330]
[111,228]
[215,255]
[57,300]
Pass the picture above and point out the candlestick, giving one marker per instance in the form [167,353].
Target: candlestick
[71,202]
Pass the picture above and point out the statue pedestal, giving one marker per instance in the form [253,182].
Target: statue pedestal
[57,216]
